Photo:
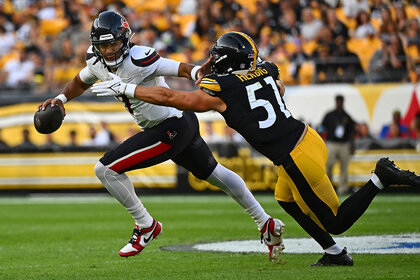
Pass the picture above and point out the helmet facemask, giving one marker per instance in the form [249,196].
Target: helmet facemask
[111,59]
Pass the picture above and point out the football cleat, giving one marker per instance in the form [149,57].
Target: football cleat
[342,259]
[140,239]
[390,174]
[272,236]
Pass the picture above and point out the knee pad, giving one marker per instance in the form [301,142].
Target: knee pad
[100,170]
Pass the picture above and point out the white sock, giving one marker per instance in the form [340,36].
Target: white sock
[375,180]
[120,186]
[334,250]
[232,184]
[258,215]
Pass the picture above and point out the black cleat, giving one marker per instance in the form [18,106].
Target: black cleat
[390,174]
[342,259]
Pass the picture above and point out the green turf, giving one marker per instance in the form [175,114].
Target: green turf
[72,239]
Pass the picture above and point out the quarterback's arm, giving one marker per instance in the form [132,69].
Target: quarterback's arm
[169,67]
[71,90]
[190,71]
[197,100]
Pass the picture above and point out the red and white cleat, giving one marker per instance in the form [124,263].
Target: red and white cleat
[140,239]
[272,236]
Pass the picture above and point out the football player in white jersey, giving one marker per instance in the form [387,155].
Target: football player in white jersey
[168,133]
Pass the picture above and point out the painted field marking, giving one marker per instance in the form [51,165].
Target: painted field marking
[376,244]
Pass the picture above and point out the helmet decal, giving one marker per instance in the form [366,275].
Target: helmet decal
[124,23]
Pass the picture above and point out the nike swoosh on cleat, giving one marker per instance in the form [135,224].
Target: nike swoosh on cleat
[268,231]
[146,240]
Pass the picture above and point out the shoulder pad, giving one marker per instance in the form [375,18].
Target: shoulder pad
[273,68]
[210,85]
[143,56]
[89,53]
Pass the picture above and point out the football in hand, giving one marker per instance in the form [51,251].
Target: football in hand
[48,120]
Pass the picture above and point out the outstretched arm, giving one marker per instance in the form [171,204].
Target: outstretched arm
[197,100]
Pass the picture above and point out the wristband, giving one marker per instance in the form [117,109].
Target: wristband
[194,72]
[62,97]
[130,90]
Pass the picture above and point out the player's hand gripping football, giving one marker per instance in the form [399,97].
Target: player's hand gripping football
[113,87]
[54,102]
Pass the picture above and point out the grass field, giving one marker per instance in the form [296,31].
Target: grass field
[79,238]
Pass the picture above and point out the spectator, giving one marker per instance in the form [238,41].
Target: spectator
[352,8]
[411,35]
[415,127]
[348,65]
[6,24]
[265,46]
[363,132]
[72,139]
[7,41]
[340,132]
[325,37]
[395,132]
[400,18]
[50,145]
[174,39]
[388,25]
[376,7]
[186,7]
[310,25]
[298,58]
[289,26]
[339,29]
[395,128]
[18,73]
[203,25]
[364,28]
[325,65]
[104,136]
[90,141]
[389,64]
[26,145]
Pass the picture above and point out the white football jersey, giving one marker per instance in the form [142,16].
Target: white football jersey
[143,66]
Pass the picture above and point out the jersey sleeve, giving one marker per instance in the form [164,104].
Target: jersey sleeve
[210,85]
[87,76]
[167,67]
[146,59]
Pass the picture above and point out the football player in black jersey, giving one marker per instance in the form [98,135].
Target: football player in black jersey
[249,94]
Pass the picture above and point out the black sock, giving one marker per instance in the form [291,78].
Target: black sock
[321,236]
[354,206]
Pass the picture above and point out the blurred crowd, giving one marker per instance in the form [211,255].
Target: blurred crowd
[43,42]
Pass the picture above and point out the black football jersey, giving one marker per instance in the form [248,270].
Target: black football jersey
[256,110]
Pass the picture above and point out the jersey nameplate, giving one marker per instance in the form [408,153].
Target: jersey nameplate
[258,72]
